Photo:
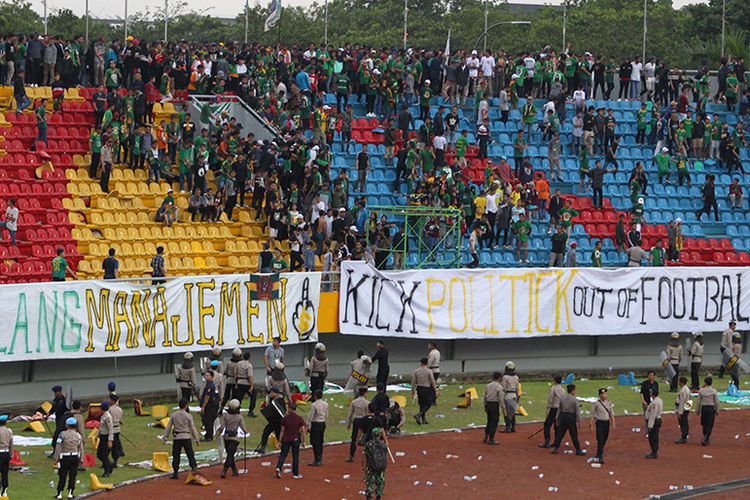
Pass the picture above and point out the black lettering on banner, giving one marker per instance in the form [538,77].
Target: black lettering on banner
[632,297]
[352,292]
[375,280]
[406,301]
[712,298]
[694,282]
[622,302]
[665,298]
[740,317]
[644,298]
[603,292]
[726,296]
[580,299]
[678,298]
[387,326]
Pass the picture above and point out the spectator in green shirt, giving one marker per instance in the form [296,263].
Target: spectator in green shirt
[522,229]
[60,267]
[662,161]
[95,141]
[657,254]
[566,214]
[461,143]
[278,264]
[41,122]
[596,254]
[732,90]
[343,91]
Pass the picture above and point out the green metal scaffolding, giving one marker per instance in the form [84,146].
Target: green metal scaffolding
[442,252]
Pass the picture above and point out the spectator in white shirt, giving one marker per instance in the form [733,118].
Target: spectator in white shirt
[635,78]
[439,144]
[11,220]
[487,62]
[472,64]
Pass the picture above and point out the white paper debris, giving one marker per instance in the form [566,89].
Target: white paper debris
[218,492]
[424,452]
[534,467]
[707,456]
[416,483]
[287,488]
[327,480]
[596,465]
[626,411]
[688,487]
[428,483]
[636,429]
[737,436]
[673,487]
[540,476]
[258,495]
[617,483]
[265,464]
[413,466]
[553,489]
[587,443]
[439,415]
[611,473]
[568,452]
[479,457]
[400,454]
[567,443]
[345,476]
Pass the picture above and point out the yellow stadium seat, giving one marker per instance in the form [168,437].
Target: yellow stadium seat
[213,233]
[190,232]
[185,248]
[35,426]
[117,174]
[208,248]
[134,234]
[211,263]
[245,217]
[85,267]
[175,263]
[128,175]
[188,263]
[160,461]
[198,262]
[126,249]
[73,189]
[179,232]
[241,246]
[230,246]
[150,248]
[201,232]
[252,246]
[198,479]
[233,262]
[196,247]
[71,175]
[138,249]
[253,262]
[158,108]
[78,160]
[245,262]
[95,484]
[168,233]
[159,411]
[173,248]
[122,233]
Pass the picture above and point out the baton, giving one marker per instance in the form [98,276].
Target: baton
[126,439]
[537,432]
[390,454]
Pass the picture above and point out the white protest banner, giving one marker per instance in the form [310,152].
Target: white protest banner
[529,302]
[95,319]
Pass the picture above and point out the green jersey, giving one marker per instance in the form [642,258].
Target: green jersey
[596,258]
[642,119]
[662,163]
[342,84]
[636,213]
[59,268]
[732,85]
[461,144]
[657,257]
[186,159]
[41,117]
[522,228]
[566,216]
[518,146]
[583,158]
[95,141]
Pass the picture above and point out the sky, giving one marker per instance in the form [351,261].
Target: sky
[218,8]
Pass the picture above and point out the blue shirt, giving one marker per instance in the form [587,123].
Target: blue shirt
[303,81]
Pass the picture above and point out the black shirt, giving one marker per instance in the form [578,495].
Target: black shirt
[649,390]
[381,356]
[110,265]
[362,158]
[265,259]
[380,403]
[558,242]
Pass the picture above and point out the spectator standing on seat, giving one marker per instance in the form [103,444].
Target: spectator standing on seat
[474,238]
[19,93]
[110,266]
[571,257]
[11,220]
[158,270]
[105,161]
[60,267]
[557,253]
[709,199]
[363,167]
[41,123]
[735,194]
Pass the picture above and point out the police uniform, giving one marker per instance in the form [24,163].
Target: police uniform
[317,421]
[319,369]
[726,343]
[230,376]
[6,452]
[433,363]
[674,355]
[424,381]
[359,375]
[106,438]
[183,432]
[509,383]
[231,424]
[708,407]
[115,412]
[696,360]
[493,396]
[68,452]
[244,383]
[210,408]
[357,412]
[185,375]
[683,396]
[568,416]
[602,413]
[556,392]
[653,422]
[59,409]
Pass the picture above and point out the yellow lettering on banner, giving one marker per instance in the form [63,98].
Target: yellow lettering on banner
[492,330]
[277,312]
[434,302]
[141,314]
[513,279]
[253,310]
[530,278]
[229,305]
[472,311]
[160,316]
[538,280]
[189,313]
[204,311]
[561,295]
[96,315]
[450,305]
[120,314]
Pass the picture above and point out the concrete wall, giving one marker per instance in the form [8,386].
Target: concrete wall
[31,381]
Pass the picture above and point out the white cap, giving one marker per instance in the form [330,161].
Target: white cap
[366,359]
[187,355]
[279,365]
[474,52]
[236,352]
[234,404]
[326,107]
[640,200]
[376,71]
[664,149]
[698,334]
[510,365]
[678,221]
[216,350]
[675,335]
[316,147]
[353,228]
[260,143]
[427,81]
[320,346]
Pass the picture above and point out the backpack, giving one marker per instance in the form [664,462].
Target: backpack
[376,452]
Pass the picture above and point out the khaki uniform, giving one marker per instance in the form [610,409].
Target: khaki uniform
[653,421]
[357,413]
[6,452]
[182,428]
[117,451]
[682,413]
[708,407]
[556,392]
[69,453]
[106,441]
[509,384]
[231,424]
[493,396]
[674,355]
[185,380]
[568,416]
[316,420]
[433,362]
[602,413]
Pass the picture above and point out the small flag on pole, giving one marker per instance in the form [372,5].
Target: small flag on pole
[274,14]
[264,286]
[448,45]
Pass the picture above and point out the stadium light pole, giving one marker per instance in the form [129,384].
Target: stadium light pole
[723,24]
[45,17]
[565,22]
[325,30]
[87,23]
[166,18]
[496,25]
[247,20]
[486,9]
[406,20]
[645,28]
[126,21]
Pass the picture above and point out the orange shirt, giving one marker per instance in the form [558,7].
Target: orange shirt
[542,189]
